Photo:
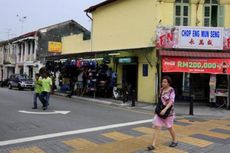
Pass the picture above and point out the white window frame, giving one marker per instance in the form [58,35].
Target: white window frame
[181,4]
[219,17]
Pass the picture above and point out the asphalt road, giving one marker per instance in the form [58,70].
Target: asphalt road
[83,115]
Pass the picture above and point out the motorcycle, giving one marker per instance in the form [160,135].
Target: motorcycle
[120,93]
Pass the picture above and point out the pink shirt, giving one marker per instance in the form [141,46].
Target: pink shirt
[168,96]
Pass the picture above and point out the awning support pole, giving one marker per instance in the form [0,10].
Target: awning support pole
[191,97]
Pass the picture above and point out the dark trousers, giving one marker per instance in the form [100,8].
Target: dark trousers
[43,98]
[36,96]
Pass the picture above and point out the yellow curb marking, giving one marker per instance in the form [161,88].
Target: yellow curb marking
[223,128]
[165,149]
[28,150]
[129,146]
[117,136]
[195,141]
[216,134]
[185,121]
[144,130]
[79,143]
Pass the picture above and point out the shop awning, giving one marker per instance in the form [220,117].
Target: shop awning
[200,54]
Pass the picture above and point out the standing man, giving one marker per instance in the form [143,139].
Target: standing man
[46,88]
[37,89]
[49,88]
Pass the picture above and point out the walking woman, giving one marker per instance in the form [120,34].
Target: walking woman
[167,97]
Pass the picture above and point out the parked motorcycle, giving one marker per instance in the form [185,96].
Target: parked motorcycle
[120,93]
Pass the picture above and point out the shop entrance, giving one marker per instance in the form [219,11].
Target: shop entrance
[200,87]
[199,84]
[183,82]
[129,76]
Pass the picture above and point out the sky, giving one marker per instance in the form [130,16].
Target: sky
[21,16]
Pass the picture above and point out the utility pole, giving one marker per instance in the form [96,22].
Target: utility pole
[21,19]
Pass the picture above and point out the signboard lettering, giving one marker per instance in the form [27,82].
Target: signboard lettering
[200,38]
[213,66]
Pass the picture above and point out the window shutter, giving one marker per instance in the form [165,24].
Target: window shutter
[221,16]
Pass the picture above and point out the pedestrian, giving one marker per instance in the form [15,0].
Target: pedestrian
[46,88]
[37,89]
[72,82]
[49,86]
[167,97]
[80,83]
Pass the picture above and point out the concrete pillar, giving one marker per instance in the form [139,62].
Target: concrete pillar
[31,50]
[1,77]
[21,55]
[35,48]
[26,51]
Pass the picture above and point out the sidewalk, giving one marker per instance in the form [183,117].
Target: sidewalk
[181,108]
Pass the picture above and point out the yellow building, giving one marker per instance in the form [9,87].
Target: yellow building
[128,27]
[75,44]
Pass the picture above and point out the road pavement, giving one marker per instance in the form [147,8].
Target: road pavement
[88,126]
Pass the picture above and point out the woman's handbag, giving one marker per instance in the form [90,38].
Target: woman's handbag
[160,106]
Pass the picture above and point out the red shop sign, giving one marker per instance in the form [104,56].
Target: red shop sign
[194,65]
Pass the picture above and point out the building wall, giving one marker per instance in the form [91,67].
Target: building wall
[227,12]
[146,85]
[125,24]
[75,44]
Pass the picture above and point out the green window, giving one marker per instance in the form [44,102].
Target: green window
[213,14]
[182,9]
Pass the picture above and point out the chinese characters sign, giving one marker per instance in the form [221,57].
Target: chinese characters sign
[213,66]
[181,37]
[201,38]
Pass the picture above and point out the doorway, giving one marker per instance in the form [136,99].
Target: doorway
[129,77]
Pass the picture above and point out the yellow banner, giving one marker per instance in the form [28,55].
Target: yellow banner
[54,46]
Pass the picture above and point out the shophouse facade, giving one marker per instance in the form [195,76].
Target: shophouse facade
[1,60]
[26,54]
[120,27]
[54,34]
[129,27]
[8,60]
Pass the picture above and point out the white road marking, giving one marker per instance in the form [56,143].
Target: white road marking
[53,135]
[44,113]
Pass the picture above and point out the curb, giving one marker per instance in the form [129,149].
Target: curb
[93,100]
[144,108]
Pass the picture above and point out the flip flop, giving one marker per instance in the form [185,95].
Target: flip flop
[173,144]
[150,147]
